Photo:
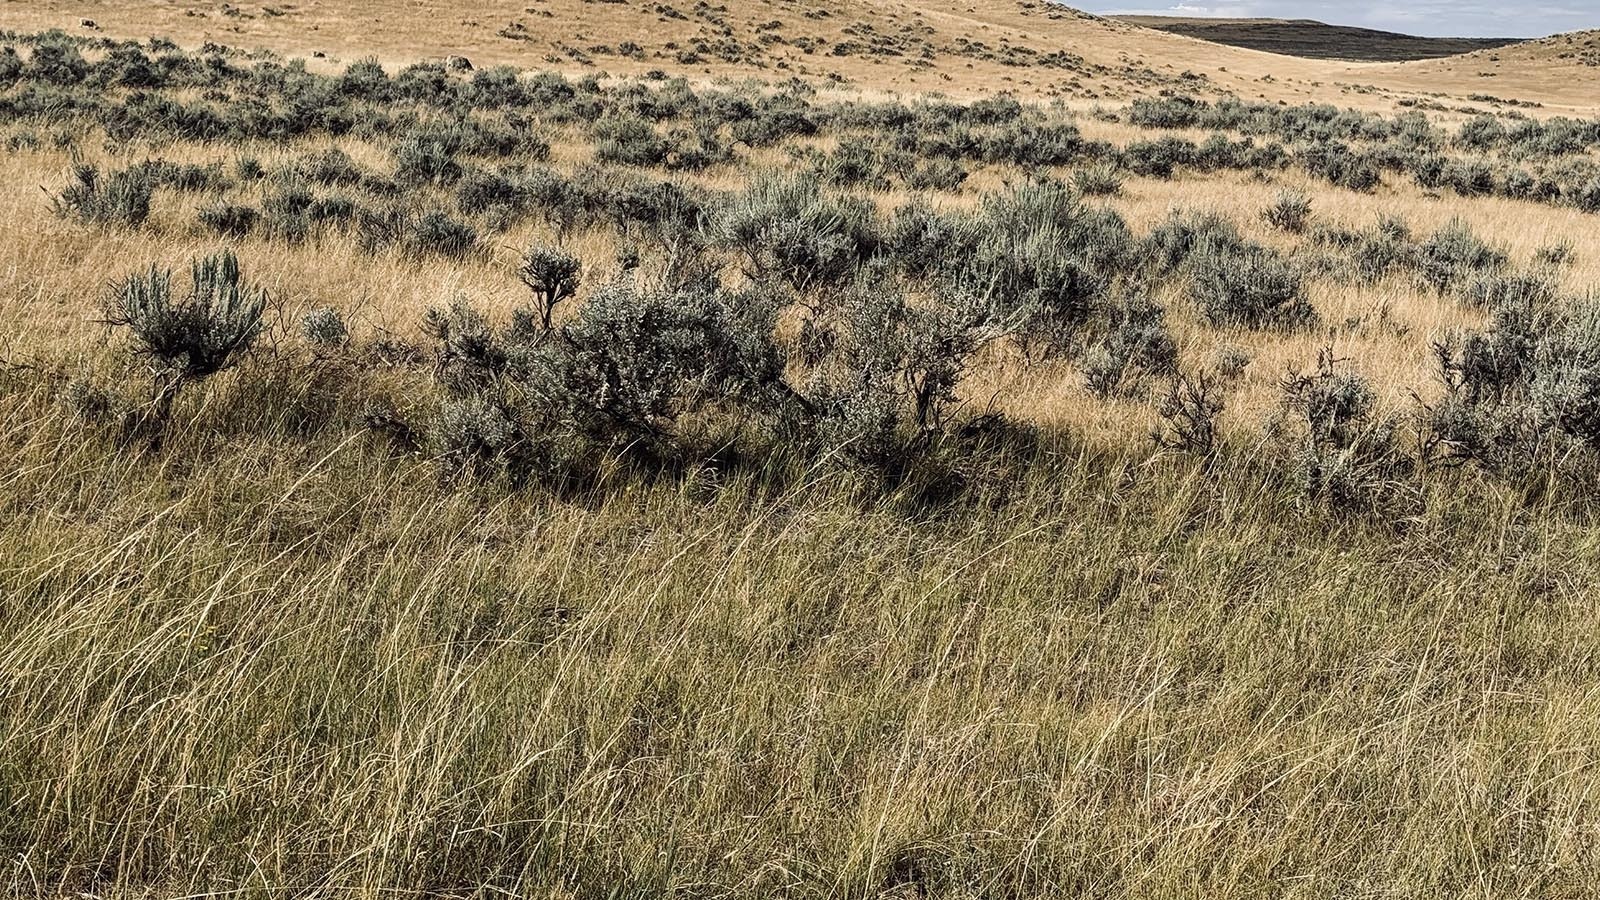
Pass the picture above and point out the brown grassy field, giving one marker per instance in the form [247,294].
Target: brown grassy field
[266,643]
[1119,60]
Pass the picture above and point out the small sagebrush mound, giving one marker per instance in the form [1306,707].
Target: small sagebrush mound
[1340,451]
[1290,211]
[121,198]
[199,335]
[1250,286]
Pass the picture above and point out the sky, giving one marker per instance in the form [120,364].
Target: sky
[1433,18]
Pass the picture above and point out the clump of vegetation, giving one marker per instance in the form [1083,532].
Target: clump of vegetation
[1135,343]
[1251,286]
[324,328]
[1340,452]
[886,396]
[1290,211]
[433,232]
[120,198]
[1453,255]
[945,175]
[191,338]
[551,275]
[426,159]
[1190,414]
[232,220]
[1522,393]
[791,230]
[1098,181]
[631,141]
[1040,259]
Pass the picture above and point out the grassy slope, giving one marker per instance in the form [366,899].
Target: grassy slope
[1123,60]
[303,665]
[310,668]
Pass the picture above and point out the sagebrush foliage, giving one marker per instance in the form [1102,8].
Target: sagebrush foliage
[199,334]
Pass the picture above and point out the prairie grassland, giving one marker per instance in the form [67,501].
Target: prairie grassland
[965,49]
[57,279]
[258,645]
[307,670]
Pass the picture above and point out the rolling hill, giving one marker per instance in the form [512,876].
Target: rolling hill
[1025,47]
[1316,40]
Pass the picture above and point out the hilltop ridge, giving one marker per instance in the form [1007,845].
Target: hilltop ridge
[1317,40]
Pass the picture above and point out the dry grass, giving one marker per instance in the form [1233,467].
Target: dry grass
[1120,60]
[307,670]
[272,659]
[55,285]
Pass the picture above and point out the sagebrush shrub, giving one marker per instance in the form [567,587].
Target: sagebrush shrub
[945,175]
[1189,415]
[56,60]
[182,176]
[472,356]
[1382,249]
[1341,166]
[856,162]
[1587,196]
[1556,255]
[1165,112]
[1158,159]
[1290,211]
[921,240]
[501,195]
[194,337]
[1565,393]
[888,391]
[330,167]
[1098,181]
[552,276]
[699,146]
[324,328]
[11,67]
[229,219]
[630,141]
[365,79]
[425,158]
[122,198]
[95,405]
[1136,341]
[436,232]
[1251,286]
[1171,245]
[431,232]
[1480,133]
[1339,451]
[292,211]
[1497,289]
[248,168]
[1039,261]
[1520,184]
[1453,255]
[1470,178]
[1033,144]
[475,435]
[633,361]
[1525,388]
[790,229]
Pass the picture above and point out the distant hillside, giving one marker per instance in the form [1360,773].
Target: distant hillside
[1034,49]
[1316,40]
